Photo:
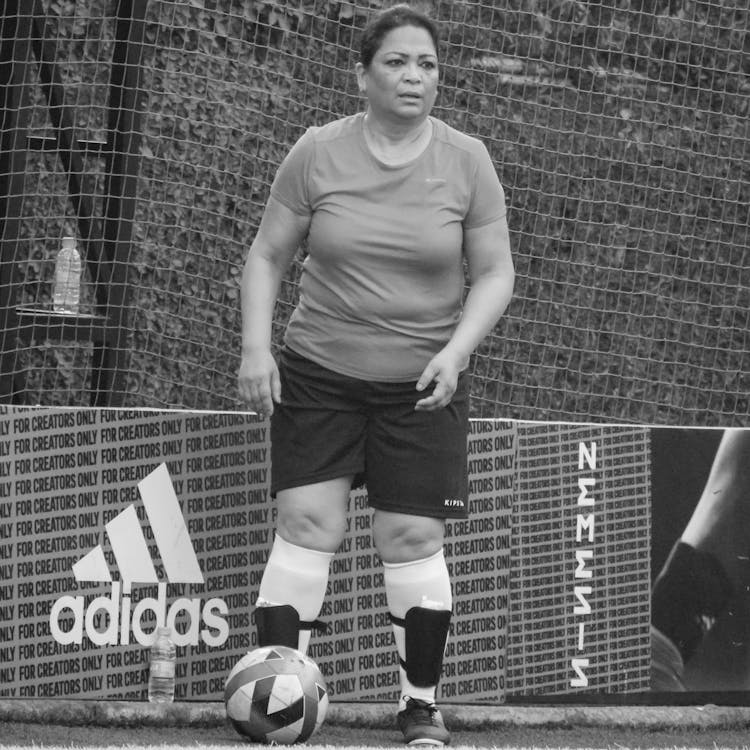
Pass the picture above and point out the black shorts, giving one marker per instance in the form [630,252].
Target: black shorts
[330,425]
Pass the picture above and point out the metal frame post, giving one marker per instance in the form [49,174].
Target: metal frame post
[15,55]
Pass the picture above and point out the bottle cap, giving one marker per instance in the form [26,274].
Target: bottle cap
[162,630]
[69,242]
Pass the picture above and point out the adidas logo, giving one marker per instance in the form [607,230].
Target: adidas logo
[129,545]
[135,565]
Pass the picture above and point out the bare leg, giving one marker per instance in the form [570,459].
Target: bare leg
[720,524]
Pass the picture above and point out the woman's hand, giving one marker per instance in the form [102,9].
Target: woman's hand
[258,381]
[443,369]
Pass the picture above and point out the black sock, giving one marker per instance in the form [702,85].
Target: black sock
[689,594]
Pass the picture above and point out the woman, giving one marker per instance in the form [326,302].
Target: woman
[373,382]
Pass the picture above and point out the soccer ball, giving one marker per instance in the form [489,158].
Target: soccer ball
[276,695]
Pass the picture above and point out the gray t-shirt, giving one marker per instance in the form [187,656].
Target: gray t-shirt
[382,285]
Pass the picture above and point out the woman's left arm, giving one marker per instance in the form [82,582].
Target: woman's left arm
[491,278]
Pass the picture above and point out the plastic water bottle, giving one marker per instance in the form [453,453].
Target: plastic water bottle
[66,289]
[161,677]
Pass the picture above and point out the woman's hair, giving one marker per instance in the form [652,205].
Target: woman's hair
[388,20]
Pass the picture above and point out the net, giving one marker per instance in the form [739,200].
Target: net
[620,135]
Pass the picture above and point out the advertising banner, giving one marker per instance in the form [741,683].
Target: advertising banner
[700,561]
[114,521]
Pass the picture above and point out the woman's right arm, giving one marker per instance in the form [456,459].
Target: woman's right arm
[280,233]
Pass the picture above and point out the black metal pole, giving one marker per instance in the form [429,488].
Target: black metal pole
[15,53]
[80,189]
[123,162]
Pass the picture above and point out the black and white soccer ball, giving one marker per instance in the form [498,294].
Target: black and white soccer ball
[276,695]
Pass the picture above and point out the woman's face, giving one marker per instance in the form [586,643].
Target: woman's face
[401,81]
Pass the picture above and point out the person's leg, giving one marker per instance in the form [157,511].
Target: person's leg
[310,527]
[720,524]
[317,448]
[418,590]
[416,479]
[706,564]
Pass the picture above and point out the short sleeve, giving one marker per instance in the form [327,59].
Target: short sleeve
[487,195]
[291,183]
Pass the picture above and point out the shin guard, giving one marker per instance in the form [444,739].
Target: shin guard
[426,633]
[279,625]
[689,594]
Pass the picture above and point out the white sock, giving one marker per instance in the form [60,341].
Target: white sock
[421,583]
[297,576]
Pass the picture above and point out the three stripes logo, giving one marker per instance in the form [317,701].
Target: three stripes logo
[129,545]
[116,612]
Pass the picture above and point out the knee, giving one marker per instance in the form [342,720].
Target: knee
[400,538]
[310,530]
[314,517]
